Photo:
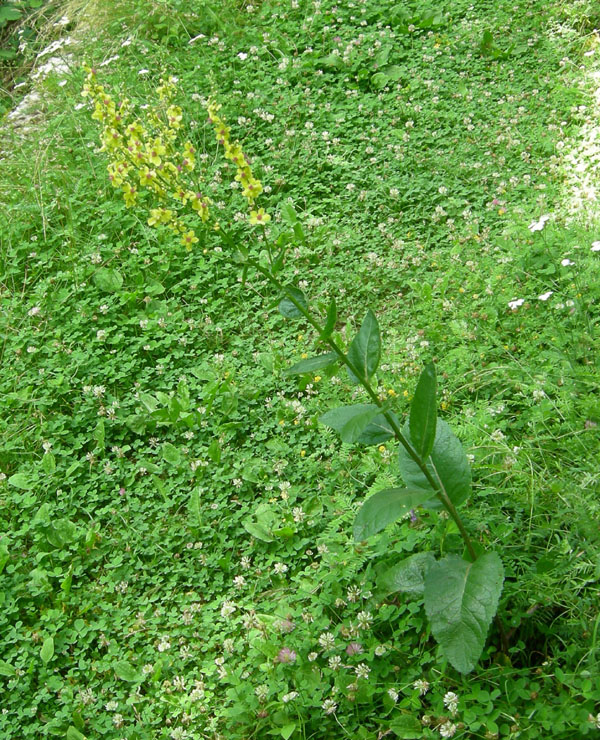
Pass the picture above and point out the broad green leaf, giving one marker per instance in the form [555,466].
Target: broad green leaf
[74,734]
[125,671]
[313,363]
[365,350]
[171,453]
[287,308]
[288,214]
[47,650]
[288,730]
[194,507]
[20,480]
[447,461]
[150,403]
[4,555]
[6,669]
[423,413]
[408,575]
[67,582]
[385,507]
[407,727]
[100,433]
[379,80]
[108,280]
[214,451]
[48,463]
[9,13]
[350,421]
[42,515]
[62,532]
[394,72]
[378,431]
[330,320]
[258,531]
[461,600]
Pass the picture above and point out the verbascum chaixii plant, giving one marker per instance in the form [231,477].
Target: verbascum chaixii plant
[150,157]
[460,591]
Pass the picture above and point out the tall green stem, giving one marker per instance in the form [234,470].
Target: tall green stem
[436,485]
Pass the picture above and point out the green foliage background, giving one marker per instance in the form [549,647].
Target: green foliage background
[157,462]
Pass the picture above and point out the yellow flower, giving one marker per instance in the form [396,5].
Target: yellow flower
[160,216]
[174,116]
[259,217]
[147,176]
[154,151]
[252,190]
[188,239]
[129,195]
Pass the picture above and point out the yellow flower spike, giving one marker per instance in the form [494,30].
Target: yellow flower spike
[259,217]
[182,195]
[189,239]
[252,190]
[147,177]
[174,116]
[154,219]
[129,195]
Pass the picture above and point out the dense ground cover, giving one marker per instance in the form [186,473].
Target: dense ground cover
[176,553]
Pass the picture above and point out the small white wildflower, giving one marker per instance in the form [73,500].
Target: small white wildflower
[289,697]
[447,729]
[335,662]
[364,620]
[545,296]
[595,247]
[451,701]
[228,609]
[539,225]
[327,641]
[422,686]
[515,303]
[329,706]
[362,670]
[34,311]
[393,694]
[567,262]
[163,645]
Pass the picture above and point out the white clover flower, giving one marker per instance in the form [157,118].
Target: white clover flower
[228,609]
[335,662]
[364,620]
[422,686]
[362,670]
[289,697]
[539,225]
[447,729]
[163,645]
[451,701]
[393,694]
[34,311]
[329,706]
[327,641]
